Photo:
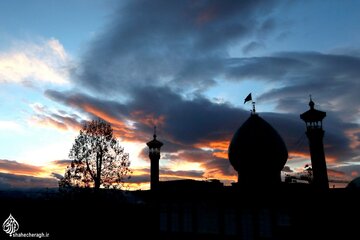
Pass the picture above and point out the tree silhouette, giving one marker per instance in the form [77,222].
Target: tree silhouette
[97,158]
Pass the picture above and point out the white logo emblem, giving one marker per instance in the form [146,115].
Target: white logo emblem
[10,225]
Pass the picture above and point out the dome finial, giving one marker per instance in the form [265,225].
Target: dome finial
[253,110]
[311,103]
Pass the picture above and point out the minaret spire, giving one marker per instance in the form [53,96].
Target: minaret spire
[313,119]
[154,155]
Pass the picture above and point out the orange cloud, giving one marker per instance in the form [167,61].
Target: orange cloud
[13,167]
[120,128]
[221,154]
[217,174]
[222,145]
[48,122]
[57,167]
[294,155]
[353,135]
[330,159]
[336,173]
[148,119]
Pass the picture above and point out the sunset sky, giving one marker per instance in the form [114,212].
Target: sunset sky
[184,66]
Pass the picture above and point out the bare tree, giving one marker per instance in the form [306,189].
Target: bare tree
[97,158]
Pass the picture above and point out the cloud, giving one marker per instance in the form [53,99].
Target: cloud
[335,173]
[14,167]
[251,47]
[287,169]
[332,79]
[63,163]
[14,181]
[178,44]
[187,174]
[113,112]
[57,176]
[346,171]
[53,169]
[60,119]
[43,62]
[144,178]
[174,121]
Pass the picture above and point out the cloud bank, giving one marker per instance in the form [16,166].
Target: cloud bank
[155,60]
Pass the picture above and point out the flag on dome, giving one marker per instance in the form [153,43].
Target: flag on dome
[248,98]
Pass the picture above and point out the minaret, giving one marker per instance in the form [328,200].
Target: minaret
[315,133]
[154,155]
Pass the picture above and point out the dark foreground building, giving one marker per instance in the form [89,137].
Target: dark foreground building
[260,206]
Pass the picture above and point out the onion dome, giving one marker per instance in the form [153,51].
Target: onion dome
[258,153]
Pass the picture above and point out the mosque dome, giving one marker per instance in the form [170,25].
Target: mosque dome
[257,152]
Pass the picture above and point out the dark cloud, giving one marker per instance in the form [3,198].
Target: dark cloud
[252,46]
[185,121]
[190,124]
[13,181]
[166,173]
[219,167]
[62,163]
[144,178]
[57,176]
[269,68]
[181,43]
[332,79]
[191,174]
[267,27]
[287,169]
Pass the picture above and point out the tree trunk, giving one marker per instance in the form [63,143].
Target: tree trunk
[97,182]
[98,169]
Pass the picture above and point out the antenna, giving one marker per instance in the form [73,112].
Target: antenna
[253,110]
[154,132]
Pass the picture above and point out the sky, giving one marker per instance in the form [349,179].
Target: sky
[184,66]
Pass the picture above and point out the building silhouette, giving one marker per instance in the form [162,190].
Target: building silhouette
[259,206]
[315,133]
